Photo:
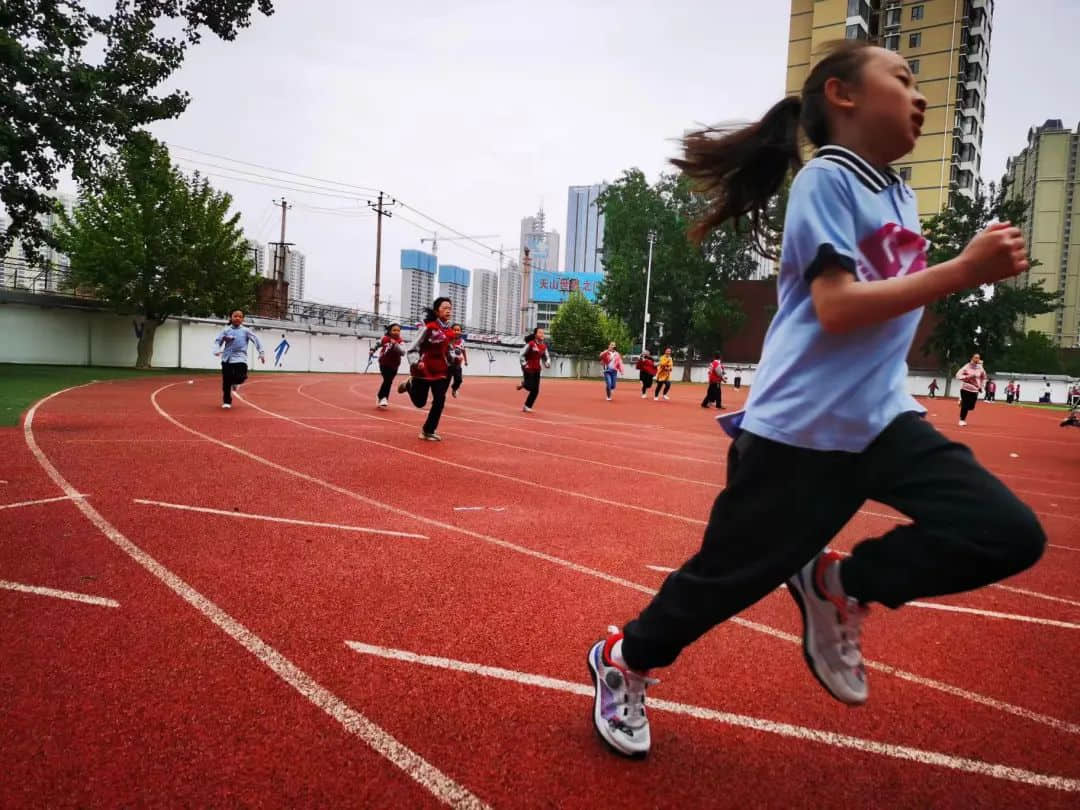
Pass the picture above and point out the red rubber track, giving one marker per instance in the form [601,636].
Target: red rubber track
[152,703]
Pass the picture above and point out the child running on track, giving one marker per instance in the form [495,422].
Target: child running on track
[611,360]
[647,368]
[459,356]
[805,455]
[391,349]
[430,370]
[663,374]
[532,355]
[973,378]
[716,377]
[232,344]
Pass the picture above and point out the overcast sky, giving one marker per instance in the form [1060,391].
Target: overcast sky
[476,113]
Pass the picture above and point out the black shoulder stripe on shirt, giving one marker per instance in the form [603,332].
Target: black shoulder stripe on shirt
[827,257]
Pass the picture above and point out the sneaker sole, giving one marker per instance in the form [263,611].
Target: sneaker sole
[797,596]
[597,720]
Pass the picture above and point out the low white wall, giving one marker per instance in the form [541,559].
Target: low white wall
[56,335]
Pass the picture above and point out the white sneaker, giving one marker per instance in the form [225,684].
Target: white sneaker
[526,409]
[226,405]
[619,705]
[963,423]
[832,624]
[666,396]
[645,395]
[609,399]
[384,403]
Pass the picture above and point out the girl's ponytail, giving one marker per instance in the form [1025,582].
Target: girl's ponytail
[739,172]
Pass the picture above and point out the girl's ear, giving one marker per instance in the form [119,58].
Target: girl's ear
[838,93]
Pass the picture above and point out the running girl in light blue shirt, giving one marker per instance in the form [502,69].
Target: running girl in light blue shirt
[231,345]
[829,423]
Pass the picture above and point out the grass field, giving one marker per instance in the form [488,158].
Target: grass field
[22,385]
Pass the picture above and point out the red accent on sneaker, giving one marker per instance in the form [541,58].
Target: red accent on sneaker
[612,640]
[827,558]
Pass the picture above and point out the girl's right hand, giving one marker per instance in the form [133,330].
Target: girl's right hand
[996,253]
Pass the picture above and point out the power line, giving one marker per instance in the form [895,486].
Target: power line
[286,185]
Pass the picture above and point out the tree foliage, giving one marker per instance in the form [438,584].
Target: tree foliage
[1033,353]
[984,320]
[577,327]
[687,293]
[149,240]
[74,84]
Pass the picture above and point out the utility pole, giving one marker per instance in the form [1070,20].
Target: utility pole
[380,212]
[648,282]
[279,255]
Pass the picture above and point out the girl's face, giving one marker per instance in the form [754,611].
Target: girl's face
[611,346]
[887,102]
[976,360]
[236,318]
[539,335]
[457,331]
[395,332]
[667,352]
[445,308]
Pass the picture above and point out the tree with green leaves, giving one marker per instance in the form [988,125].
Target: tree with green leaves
[150,241]
[65,104]
[688,289]
[577,328]
[985,320]
[1033,353]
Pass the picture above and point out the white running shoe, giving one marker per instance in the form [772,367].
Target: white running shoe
[832,624]
[619,706]
[384,403]
[666,396]
[226,405]
[963,423]
[526,409]
[645,395]
[430,437]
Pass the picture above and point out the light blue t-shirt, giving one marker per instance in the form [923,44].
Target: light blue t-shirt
[232,342]
[838,392]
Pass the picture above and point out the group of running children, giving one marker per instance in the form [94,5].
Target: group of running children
[853,281]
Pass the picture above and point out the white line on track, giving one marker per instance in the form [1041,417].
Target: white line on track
[1064,548]
[714,485]
[993,614]
[71,595]
[949,689]
[412,764]
[801,733]
[531,484]
[269,518]
[1036,594]
[661,568]
[74,497]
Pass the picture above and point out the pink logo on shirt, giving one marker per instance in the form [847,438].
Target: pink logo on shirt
[891,251]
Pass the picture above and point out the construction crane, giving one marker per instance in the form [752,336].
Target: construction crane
[434,239]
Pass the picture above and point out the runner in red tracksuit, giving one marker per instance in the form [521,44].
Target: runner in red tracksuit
[459,356]
[647,368]
[390,349]
[431,368]
[716,376]
[532,355]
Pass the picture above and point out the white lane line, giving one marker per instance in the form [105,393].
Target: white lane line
[623,468]
[1036,594]
[1063,548]
[802,733]
[74,497]
[531,484]
[271,519]
[416,767]
[993,614]
[949,689]
[72,595]
[661,568]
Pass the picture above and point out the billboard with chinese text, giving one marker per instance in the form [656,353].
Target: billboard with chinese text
[555,287]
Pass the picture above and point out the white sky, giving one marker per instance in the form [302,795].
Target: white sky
[477,112]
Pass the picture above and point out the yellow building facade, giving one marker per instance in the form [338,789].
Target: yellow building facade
[1043,175]
[947,45]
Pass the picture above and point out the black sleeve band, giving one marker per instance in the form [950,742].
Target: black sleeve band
[827,257]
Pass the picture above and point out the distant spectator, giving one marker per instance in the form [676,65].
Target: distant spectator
[933,387]
[972,378]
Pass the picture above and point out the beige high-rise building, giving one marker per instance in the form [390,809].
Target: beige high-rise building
[1044,176]
[947,44]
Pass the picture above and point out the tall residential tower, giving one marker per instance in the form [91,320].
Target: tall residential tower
[584,230]
[947,45]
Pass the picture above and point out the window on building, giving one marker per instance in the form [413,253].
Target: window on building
[916,12]
[854,32]
[892,42]
[914,40]
[905,173]
[858,8]
[914,65]
[892,16]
